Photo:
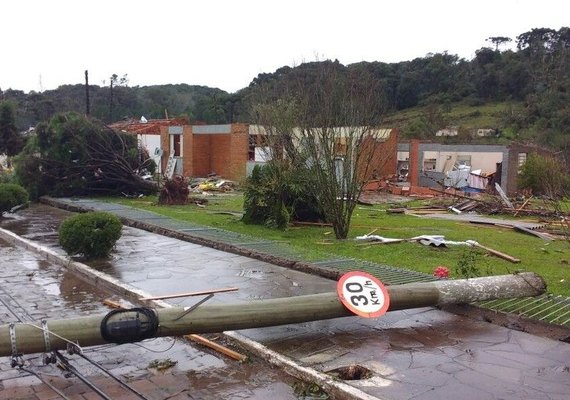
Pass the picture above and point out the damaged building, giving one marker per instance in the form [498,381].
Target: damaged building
[229,150]
[469,167]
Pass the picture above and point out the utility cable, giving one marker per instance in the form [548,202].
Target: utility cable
[64,363]
[123,384]
[45,382]
[23,317]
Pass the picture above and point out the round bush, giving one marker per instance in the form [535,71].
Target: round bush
[11,195]
[92,235]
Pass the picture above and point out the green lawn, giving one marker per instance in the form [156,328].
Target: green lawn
[549,259]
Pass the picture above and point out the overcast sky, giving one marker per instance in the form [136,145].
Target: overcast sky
[226,43]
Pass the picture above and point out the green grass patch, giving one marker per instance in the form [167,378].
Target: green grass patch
[551,260]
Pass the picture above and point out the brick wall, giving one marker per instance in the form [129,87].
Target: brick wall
[223,153]
[201,151]
[238,152]
[187,154]
[384,160]
[414,162]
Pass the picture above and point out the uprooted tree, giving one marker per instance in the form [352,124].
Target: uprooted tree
[328,133]
[76,155]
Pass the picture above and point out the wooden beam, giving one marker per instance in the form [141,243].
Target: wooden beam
[189,294]
[216,346]
[494,252]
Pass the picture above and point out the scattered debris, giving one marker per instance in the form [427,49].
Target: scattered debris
[543,236]
[503,196]
[162,365]
[212,184]
[375,239]
[435,241]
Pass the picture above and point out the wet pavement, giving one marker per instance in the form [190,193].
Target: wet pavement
[33,289]
[421,353]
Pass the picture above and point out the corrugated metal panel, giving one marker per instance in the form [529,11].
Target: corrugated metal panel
[211,129]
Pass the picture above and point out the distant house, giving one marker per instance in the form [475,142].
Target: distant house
[450,131]
[432,163]
[485,132]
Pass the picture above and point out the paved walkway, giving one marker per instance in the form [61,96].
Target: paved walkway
[422,353]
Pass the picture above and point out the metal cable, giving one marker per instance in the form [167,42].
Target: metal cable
[45,382]
[123,384]
[64,363]
[23,316]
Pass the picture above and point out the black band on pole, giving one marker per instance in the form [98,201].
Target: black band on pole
[132,325]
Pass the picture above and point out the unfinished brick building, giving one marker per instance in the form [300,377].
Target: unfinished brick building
[229,150]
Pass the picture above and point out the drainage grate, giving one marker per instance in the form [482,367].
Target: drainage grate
[547,308]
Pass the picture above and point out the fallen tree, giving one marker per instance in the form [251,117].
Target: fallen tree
[76,155]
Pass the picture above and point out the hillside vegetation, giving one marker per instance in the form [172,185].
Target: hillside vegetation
[524,93]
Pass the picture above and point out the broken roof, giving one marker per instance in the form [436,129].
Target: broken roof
[150,127]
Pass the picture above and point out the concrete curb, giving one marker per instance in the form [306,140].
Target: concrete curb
[336,389]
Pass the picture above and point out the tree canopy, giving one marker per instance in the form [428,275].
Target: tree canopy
[11,141]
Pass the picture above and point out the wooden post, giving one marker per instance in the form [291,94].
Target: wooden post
[86,331]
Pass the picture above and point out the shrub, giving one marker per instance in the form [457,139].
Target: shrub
[273,198]
[91,235]
[11,195]
[544,176]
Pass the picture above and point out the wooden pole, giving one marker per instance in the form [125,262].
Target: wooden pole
[86,331]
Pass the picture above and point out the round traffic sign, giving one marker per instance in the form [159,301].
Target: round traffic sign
[363,294]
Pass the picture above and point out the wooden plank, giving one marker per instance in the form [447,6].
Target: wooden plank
[216,346]
[494,252]
[189,294]
[521,207]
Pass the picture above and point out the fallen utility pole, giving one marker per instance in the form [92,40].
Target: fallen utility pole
[124,326]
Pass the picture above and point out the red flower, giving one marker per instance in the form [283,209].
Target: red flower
[441,272]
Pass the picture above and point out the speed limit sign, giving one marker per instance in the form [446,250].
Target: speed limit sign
[363,294]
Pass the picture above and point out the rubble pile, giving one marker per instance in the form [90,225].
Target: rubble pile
[212,184]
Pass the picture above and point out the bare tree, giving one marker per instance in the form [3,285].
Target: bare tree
[327,128]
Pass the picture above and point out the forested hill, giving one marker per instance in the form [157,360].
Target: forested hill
[124,101]
[531,85]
